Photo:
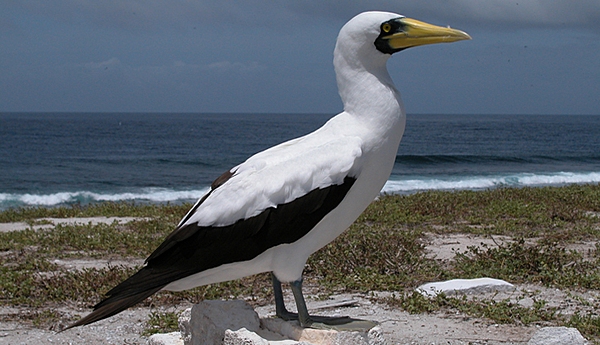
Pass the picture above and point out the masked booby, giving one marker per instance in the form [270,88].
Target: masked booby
[271,212]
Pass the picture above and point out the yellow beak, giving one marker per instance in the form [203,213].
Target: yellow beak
[417,33]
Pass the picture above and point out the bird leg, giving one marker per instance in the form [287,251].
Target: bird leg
[303,317]
[343,323]
[280,309]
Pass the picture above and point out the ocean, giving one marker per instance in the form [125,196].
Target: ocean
[50,159]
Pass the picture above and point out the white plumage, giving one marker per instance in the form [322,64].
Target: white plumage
[360,142]
[283,204]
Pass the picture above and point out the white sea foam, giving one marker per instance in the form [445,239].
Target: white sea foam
[482,182]
[394,185]
[146,194]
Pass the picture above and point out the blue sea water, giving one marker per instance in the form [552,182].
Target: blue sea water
[50,159]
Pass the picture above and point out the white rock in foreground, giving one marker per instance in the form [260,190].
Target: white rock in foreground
[236,323]
[173,338]
[243,336]
[467,286]
[557,336]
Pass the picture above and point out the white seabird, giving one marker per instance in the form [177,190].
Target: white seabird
[270,213]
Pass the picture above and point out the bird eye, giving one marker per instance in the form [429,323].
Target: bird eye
[386,27]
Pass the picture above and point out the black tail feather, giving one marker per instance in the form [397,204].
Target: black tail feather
[113,305]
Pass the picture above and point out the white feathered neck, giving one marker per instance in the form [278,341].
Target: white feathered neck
[365,86]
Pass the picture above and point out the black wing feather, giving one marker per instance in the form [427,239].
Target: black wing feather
[182,233]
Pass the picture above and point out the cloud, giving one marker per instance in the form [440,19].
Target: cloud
[488,13]
[158,75]
[114,85]
[176,15]
[144,55]
[104,65]
[144,15]
[531,13]
[227,66]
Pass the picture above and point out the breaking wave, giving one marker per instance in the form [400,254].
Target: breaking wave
[411,185]
[396,185]
[155,195]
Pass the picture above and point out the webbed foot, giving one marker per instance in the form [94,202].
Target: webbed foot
[340,323]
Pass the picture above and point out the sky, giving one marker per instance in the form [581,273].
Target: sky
[526,56]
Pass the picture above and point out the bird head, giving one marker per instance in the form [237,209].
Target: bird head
[389,33]
[365,43]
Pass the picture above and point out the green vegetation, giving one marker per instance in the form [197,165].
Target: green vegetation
[164,322]
[546,263]
[503,311]
[385,250]
[108,209]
